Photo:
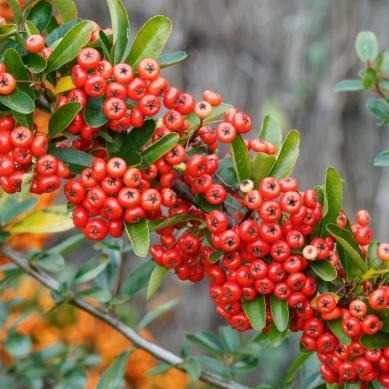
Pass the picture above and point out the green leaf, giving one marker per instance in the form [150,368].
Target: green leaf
[76,159]
[44,221]
[172,221]
[271,132]
[230,338]
[158,149]
[16,10]
[366,46]
[158,274]
[26,184]
[241,158]
[138,279]
[155,313]
[11,207]
[207,341]
[90,270]
[160,369]
[18,101]
[202,203]
[105,44]
[139,236]
[256,312]
[68,245]
[31,28]
[169,59]
[120,28]
[15,66]
[280,313]
[288,156]
[112,378]
[40,14]
[348,86]
[70,46]
[324,270]
[260,166]
[35,63]
[336,329]
[333,198]
[379,340]
[93,114]
[60,31]
[214,366]
[62,118]
[193,367]
[297,363]
[382,159]
[379,108]
[150,39]
[97,293]
[346,239]
[19,346]
[7,30]
[244,365]
[51,262]
[23,120]
[67,9]
[372,257]
[216,256]
[126,144]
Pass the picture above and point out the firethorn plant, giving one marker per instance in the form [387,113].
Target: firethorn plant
[135,154]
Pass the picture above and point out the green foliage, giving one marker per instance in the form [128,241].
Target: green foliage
[139,236]
[157,276]
[113,376]
[241,158]
[62,118]
[256,312]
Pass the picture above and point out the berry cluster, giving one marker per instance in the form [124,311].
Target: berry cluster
[21,153]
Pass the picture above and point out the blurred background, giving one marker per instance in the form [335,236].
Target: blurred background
[282,58]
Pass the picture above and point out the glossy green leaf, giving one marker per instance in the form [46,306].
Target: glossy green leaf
[7,30]
[44,221]
[382,159]
[366,46]
[287,156]
[62,118]
[150,39]
[139,236]
[113,376]
[256,312]
[324,270]
[336,329]
[172,221]
[90,271]
[229,337]
[245,364]
[193,367]
[18,345]
[297,363]
[93,114]
[348,86]
[280,313]
[120,29]
[157,276]
[379,340]
[15,66]
[76,159]
[207,341]
[67,9]
[35,63]
[31,28]
[333,198]
[170,59]
[138,279]
[372,257]
[260,166]
[346,239]
[40,14]
[214,365]
[16,10]
[271,132]
[379,108]
[52,25]
[51,262]
[60,31]
[23,120]
[70,46]
[157,312]
[158,149]
[97,293]
[18,101]
[216,256]
[105,44]
[241,158]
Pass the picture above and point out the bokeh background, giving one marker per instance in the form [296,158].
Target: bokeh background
[282,58]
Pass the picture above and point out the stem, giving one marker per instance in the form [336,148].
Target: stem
[154,349]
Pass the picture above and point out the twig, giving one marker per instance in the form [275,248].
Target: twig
[154,349]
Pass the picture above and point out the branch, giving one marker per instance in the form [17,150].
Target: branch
[140,342]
